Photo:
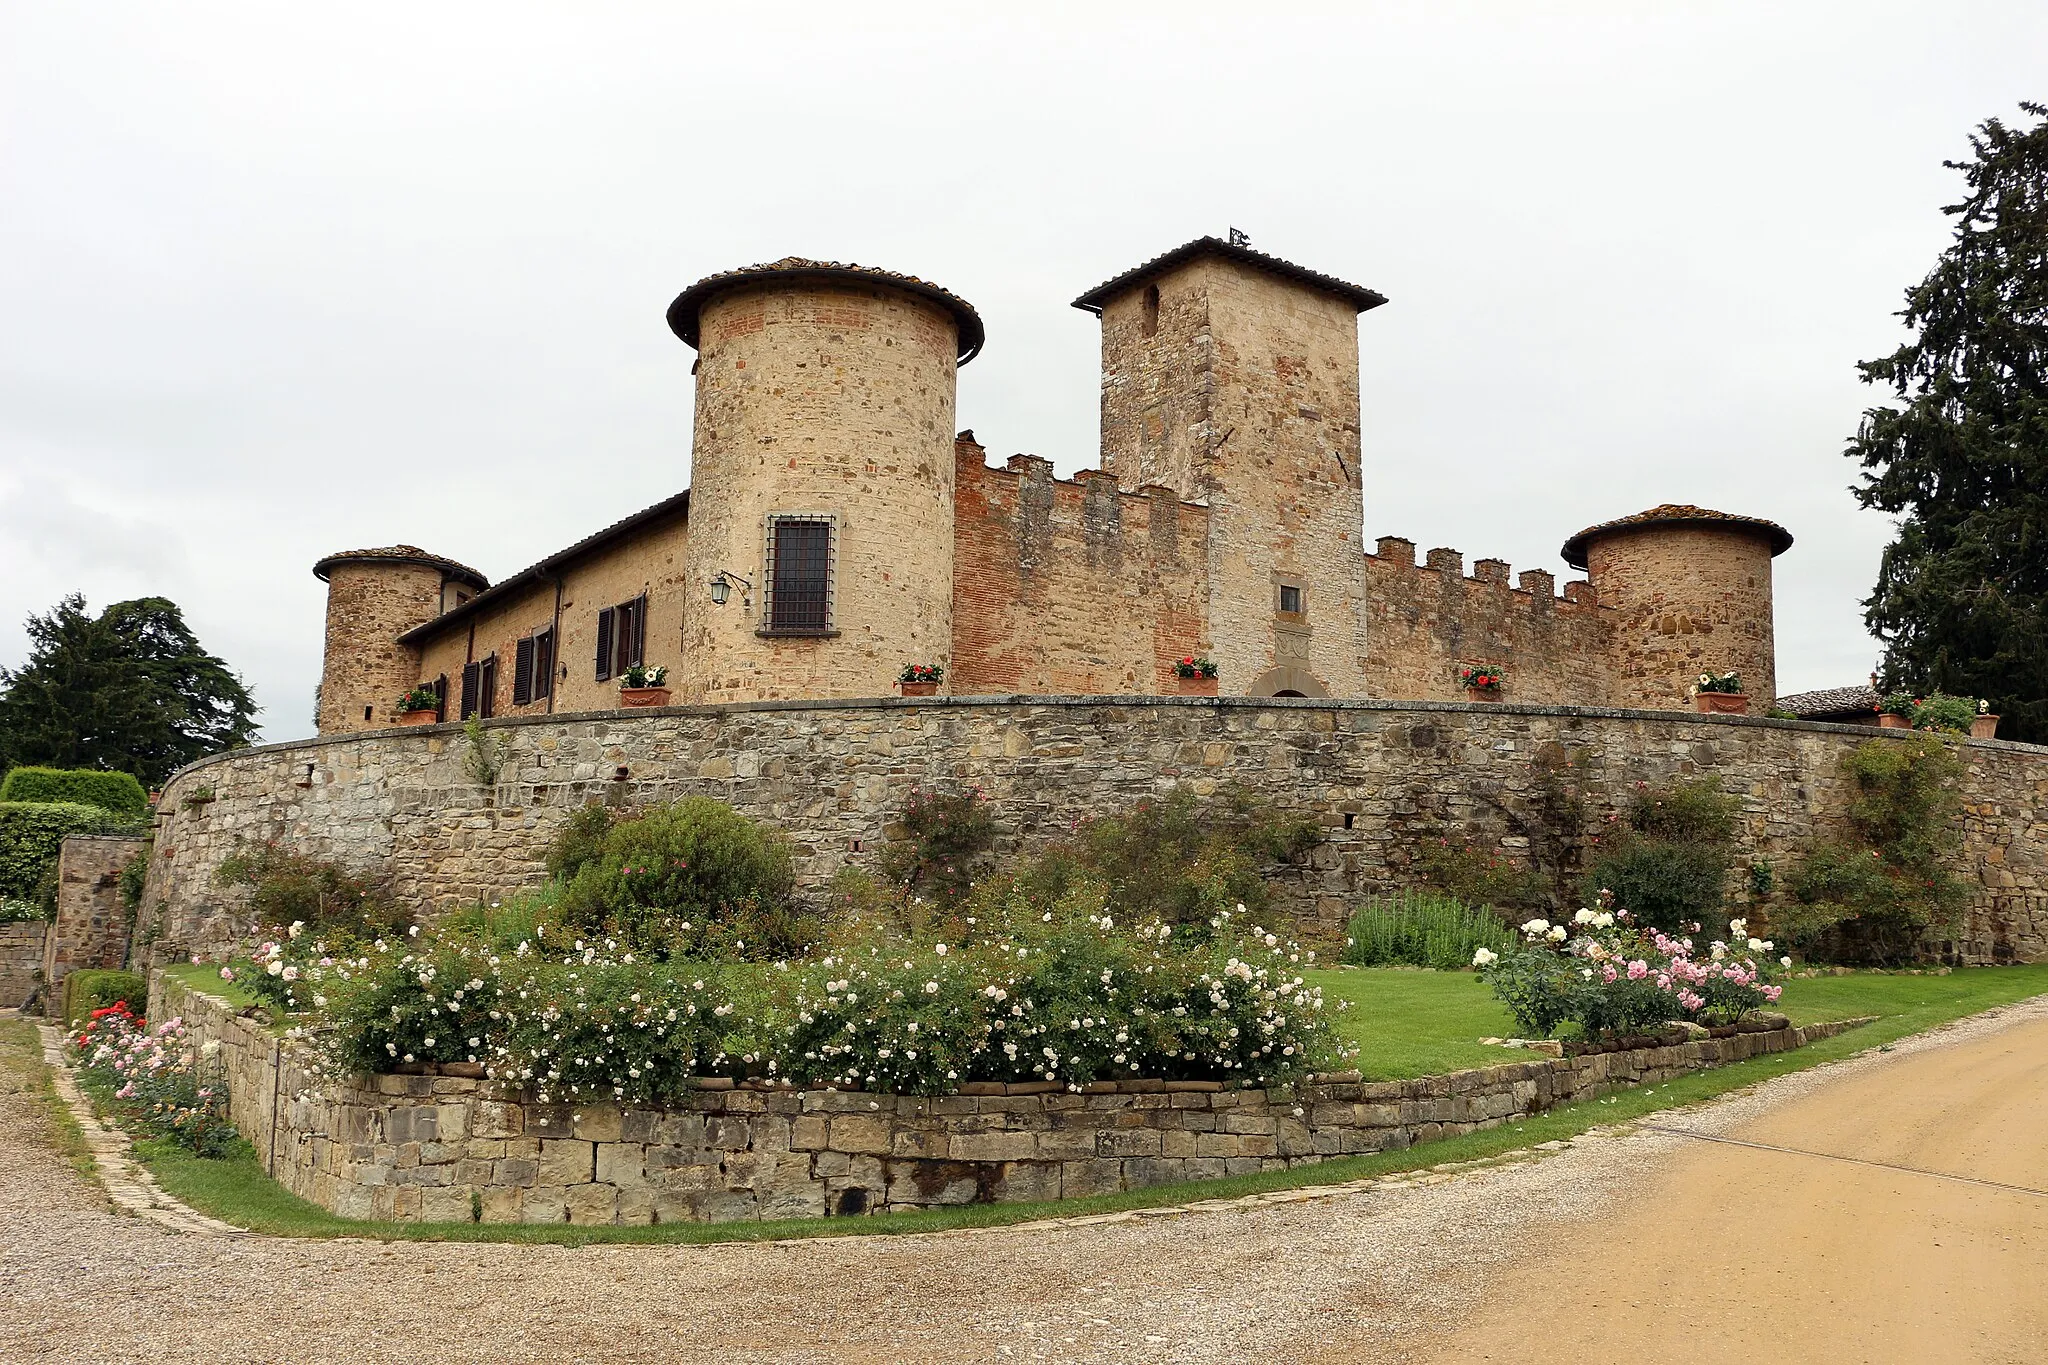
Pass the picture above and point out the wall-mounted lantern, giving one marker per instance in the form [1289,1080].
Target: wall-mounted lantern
[722,583]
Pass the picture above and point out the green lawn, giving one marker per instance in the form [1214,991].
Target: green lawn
[1396,1022]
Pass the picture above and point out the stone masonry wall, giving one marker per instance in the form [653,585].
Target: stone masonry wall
[447,1149]
[1686,600]
[369,605]
[1379,776]
[21,959]
[90,929]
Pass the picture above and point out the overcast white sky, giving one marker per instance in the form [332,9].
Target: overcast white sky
[283,280]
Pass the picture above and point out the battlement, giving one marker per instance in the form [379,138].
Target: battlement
[1071,584]
[1423,621]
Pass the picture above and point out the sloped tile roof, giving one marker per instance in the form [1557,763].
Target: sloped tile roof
[1830,701]
[1357,295]
[1672,514]
[401,554]
[683,313]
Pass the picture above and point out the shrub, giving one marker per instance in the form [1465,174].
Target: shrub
[134,877]
[1459,869]
[945,846]
[690,880]
[1695,812]
[21,910]
[32,833]
[1669,868]
[289,888]
[1870,893]
[93,989]
[1183,860]
[1940,711]
[120,793]
[1421,929]
[579,841]
[1611,974]
[153,1079]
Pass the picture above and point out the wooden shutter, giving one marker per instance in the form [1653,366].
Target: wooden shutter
[544,664]
[441,698]
[487,687]
[639,630]
[604,644]
[472,676]
[522,672]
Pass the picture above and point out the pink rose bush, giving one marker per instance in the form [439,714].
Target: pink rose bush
[151,1079]
[1609,974]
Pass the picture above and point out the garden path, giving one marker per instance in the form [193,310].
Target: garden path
[1388,1275]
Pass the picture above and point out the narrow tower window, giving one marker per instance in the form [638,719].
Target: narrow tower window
[1151,310]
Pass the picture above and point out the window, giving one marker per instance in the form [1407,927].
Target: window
[487,698]
[1290,599]
[621,637]
[441,698]
[533,668]
[1151,319]
[472,679]
[799,595]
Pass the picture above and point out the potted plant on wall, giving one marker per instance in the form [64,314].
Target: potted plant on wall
[421,706]
[1720,694]
[920,680]
[641,685]
[1482,682]
[1985,724]
[1895,712]
[1196,675]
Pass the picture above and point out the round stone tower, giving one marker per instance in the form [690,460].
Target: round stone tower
[374,596]
[1691,589]
[819,558]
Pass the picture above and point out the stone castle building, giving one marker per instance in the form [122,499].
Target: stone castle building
[838,529]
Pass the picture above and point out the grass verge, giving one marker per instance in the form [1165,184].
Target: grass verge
[23,1072]
[238,1191]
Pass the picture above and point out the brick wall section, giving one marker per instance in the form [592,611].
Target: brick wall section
[832,399]
[1422,623]
[1071,586]
[1686,600]
[21,961]
[437,1149]
[1378,775]
[90,929]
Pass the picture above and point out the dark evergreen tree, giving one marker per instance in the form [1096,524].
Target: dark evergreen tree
[129,690]
[1961,601]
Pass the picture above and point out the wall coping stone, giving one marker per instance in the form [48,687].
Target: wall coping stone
[1006,701]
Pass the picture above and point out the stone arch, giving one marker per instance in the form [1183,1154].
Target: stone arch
[1288,682]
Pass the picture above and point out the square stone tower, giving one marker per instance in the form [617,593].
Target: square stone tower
[1231,377]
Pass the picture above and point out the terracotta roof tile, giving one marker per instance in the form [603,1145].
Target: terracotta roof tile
[1673,514]
[1357,295]
[401,554]
[682,314]
[1830,701]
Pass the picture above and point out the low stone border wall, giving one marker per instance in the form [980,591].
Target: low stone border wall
[21,961]
[452,1149]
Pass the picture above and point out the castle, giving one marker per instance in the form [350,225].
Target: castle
[837,529]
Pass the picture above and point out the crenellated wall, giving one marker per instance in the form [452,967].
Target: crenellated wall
[1379,777]
[1424,622]
[1071,586]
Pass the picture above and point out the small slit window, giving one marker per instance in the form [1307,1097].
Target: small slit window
[800,555]
[1150,321]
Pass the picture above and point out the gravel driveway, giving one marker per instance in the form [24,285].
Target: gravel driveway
[1389,1275]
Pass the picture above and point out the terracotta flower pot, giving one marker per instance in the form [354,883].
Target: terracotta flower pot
[917,689]
[1482,694]
[1196,687]
[417,717]
[1984,727]
[643,696]
[1721,703]
[1891,721]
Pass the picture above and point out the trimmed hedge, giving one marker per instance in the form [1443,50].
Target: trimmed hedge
[89,990]
[31,832]
[117,792]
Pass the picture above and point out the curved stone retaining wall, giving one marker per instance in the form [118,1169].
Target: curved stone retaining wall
[1379,775]
[447,1149]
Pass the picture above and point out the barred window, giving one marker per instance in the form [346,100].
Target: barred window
[800,555]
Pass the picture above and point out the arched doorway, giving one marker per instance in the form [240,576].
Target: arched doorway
[1287,682]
